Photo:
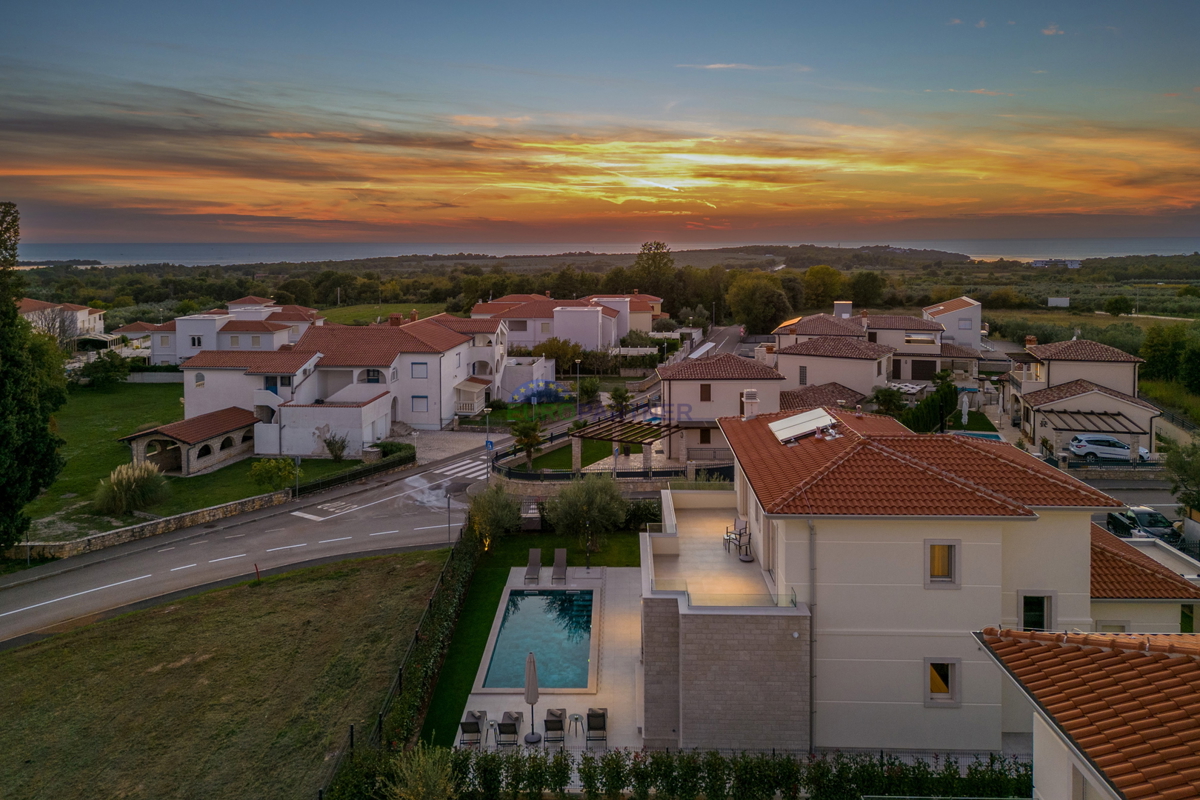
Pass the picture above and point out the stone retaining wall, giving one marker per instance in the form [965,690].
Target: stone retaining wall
[143,530]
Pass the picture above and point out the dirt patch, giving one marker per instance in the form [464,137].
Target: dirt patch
[437,445]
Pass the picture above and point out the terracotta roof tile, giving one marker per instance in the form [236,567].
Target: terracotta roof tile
[169,325]
[252,300]
[724,367]
[205,426]
[136,327]
[639,303]
[896,322]
[1080,350]
[838,347]
[879,467]
[253,362]
[1120,716]
[252,326]
[1121,571]
[1065,391]
[462,325]
[376,346]
[292,316]
[827,394]
[958,351]
[27,305]
[536,309]
[822,325]
[950,306]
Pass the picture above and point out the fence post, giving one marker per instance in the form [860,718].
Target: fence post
[351,738]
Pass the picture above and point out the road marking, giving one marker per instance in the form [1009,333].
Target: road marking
[165,549]
[226,558]
[286,547]
[308,516]
[381,533]
[176,569]
[384,500]
[202,541]
[77,594]
[340,505]
[238,535]
[431,527]
[327,541]
[276,530]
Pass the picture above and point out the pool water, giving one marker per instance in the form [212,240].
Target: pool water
[556,626]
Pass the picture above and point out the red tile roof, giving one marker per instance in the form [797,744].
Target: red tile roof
[252,300]
[894,322]
[376,346]
[292,316]
[950,306]
[27,305]
[822,325]
[169,325]
[838,347]
[638,303]
[1065,391]
[205,426]
[724,367]
[136,327]
[1121,572]
[1129,704]
[252,362]
[1080,350]
[958,351]
[537,309]
[877,467]
[827,394]
[252,326]
[462,325]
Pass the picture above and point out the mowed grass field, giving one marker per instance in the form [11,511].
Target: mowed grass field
[349,315]
[241,692]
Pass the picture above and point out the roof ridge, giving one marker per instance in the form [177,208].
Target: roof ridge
[1115,642]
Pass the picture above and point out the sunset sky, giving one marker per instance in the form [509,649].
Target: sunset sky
[606,121]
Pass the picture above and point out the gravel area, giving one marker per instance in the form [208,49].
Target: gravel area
[436,445]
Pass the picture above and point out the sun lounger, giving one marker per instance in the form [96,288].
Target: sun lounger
[597,726]
[560,567]
[556,720]
[472,729]
[508,732]
[534,568]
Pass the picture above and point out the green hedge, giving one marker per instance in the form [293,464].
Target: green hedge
[927,415]
[390,449]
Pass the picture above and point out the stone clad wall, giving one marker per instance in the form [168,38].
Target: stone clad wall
[133,532]
[660,667]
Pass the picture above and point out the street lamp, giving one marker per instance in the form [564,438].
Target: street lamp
[487,442]
[578,385]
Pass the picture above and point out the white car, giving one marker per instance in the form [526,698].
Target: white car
[1101,446]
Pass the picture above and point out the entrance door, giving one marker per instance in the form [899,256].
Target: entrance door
[271,383]
[896,369]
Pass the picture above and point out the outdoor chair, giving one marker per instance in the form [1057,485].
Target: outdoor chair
[472,729]
[508,732]
[556,719]
[734,533]
[559,575]
[533,570]
[597,726]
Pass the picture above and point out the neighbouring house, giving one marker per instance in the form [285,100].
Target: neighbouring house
[962,320]
[1133,593]
[1117,715]
[825,394]
[801,329]
[136,331]
[696,392]
[856,363]
[198,444]
[1064,388]
[251,323]
[641,309]
[66,322]
[598,323]
[867,554]
[489,341]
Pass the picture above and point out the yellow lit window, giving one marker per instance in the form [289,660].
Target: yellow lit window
[941,562]
[939,680]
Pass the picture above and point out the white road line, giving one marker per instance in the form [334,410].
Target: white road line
[202,541]
[459,469]
[308,516]
[237,536]
[431,527]
[226,558]
[276,530]
[165,549]
[77,594]
[327,541]
[384,500]
[381,533]
[286,547]
[176,569]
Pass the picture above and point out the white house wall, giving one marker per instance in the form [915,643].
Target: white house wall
[861,375]
[583,325]
[1121,376]
[1138,616]
[222,388]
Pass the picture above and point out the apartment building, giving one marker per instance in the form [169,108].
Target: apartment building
[64,321]
[251,323]
[596,323]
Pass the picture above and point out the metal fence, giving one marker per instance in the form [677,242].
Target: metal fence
[1171,416]
[358,473]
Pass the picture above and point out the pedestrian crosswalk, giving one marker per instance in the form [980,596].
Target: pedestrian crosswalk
[473,468]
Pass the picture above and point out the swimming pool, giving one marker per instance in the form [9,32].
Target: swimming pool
[556,626]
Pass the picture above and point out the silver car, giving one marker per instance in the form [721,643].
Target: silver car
[1101,446]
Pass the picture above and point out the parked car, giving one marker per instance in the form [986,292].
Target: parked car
[1101,446]
[1143,521]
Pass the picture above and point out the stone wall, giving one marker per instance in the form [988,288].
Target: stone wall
[154,377]
[146,529]
[552,488]
[660,669]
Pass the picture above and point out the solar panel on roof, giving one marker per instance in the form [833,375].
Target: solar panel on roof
[702,350]
[800,424]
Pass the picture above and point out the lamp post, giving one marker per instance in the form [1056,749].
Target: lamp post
[487,442]
[578,385]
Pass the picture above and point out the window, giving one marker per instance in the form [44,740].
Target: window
[518,325]
[545,327]
[942,563]
[1187,618]
[395,375]
[197,341]
[285,380]
[964,324]
[705,436]
[706,393]
[199,380]
[919,338]
[803,376]
[420,404]
[256,341]
[458,359]
[373,376]
[1037,610]
[878,367]
[942,688]
[420,369]
[872,336]
[164,341]
[234,341]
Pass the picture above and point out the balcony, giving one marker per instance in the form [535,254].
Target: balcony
[263,397]
[1023,382]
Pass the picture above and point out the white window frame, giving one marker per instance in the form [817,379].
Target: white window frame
[198,380]
[424,398]
[256,341]
[937,701]
[1051,596]
[424,370]
[197,341]
[395,375]
[955,581]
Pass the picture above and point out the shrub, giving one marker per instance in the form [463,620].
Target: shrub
[642,511]
[493,514]
[422,773]
[589,389]
[130,487]
[665,325]
[108,370]
[274,474]
[393,449]
[614,773]
[589,776]
[496,404]
[336,444]
[560,773]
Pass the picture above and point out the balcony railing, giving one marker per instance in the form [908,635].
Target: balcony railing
[701,599]
[469,407]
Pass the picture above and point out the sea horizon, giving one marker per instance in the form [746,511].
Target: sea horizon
[230,253]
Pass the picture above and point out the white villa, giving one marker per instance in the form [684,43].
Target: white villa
[251,323]
[596,322]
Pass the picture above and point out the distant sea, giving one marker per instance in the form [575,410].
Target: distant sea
[221,254]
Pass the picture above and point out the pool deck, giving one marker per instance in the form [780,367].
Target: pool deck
[618,685]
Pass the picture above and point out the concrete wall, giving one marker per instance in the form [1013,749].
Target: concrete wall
[1058,774]
[1137,616]
[859,374]
[660,666]
[267,340]
[682,399]
[582,325]
[222,388]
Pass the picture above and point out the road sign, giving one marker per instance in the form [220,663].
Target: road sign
[489,445]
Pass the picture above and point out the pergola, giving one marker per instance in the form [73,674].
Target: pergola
[1093,422]
[622,432]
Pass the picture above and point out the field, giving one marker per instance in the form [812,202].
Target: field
[1069,320]
[91,423]
[479,610]
[349,315]
[240,692]
[1172,395]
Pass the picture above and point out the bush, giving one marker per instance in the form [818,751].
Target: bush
[642,511]
[273,474]
[336,444]
[496,404]
[423,773]
[109,369]
[665,325]
[589,389]
[130,487]
[393,449]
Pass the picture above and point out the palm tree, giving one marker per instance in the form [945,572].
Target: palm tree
[527,436]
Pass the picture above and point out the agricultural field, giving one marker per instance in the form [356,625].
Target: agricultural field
[365,314]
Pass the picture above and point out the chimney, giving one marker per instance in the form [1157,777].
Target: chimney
[635,291]
[1030,341]
[412,315]
[547,293]
[750,403]
[396,320]
[858,412]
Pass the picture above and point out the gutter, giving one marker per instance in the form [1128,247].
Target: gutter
[812,633]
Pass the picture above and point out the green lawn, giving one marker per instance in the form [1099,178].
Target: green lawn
[236,693]
[233,483]
[479,610]
[1174,396]
[977,421]
[348,315]
[593,450]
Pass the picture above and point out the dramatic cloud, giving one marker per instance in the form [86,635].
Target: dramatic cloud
[981,24]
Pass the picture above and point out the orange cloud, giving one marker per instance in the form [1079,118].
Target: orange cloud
[1053,30]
